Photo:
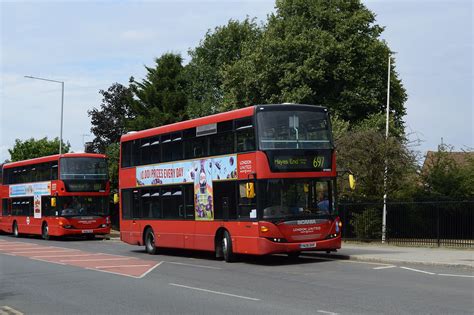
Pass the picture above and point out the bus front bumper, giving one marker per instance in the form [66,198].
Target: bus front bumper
[73,231]
[266,246]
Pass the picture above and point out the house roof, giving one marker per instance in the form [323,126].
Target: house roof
[460,158]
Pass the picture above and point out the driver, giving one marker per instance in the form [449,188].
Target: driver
[323,203]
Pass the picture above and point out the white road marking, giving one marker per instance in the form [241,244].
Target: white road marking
[47,251]
[363,262]
[97,259]
[384,267]
[9,311]
[49,261]
[113,272]
[150,270]
[27,248]
[417,270]
[55,256]
[326,312]
[191,265]
[121,266]
[215,292]
[17,243]
[450,275]
[18,247]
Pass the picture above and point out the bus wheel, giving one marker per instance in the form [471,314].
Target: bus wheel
[150,243]
[227,248]
[45,231]
[16,233]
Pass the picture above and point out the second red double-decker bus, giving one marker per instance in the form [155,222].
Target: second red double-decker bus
[56,195]
[257,180]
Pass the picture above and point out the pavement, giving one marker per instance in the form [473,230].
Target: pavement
[391,254]
[377,252]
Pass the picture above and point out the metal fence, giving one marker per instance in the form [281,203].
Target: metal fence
[433,223]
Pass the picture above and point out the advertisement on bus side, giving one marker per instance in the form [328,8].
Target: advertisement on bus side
[218,168]
[31,189]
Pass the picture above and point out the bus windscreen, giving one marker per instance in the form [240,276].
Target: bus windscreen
[284,199]
[293,129]
[83,168]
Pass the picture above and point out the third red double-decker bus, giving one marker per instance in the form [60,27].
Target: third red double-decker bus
[56,195]
[257,180]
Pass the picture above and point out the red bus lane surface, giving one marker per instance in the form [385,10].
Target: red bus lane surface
[116,264]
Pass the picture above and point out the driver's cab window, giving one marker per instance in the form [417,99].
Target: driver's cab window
[322,195]
[247,206]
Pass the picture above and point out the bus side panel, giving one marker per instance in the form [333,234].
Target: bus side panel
[129,232]
[6,224]
[205,233]
[33,226]
[244,237]
[167,234]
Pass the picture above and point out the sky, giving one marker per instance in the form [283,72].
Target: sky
[91,44]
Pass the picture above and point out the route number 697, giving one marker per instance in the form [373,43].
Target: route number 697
[318,162]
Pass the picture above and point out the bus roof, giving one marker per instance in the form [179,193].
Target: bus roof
[50,158]
[234,114]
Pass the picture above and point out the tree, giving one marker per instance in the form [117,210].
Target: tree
[445,178]
[160,98]
[109,122]
[363,149]
[317,52]
[31,148]
[218,50]
[112,153]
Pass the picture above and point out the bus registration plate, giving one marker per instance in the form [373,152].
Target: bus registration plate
[86,231]
[308,245]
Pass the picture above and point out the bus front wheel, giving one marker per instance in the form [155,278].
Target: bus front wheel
[45,231]
[16,233]
[150,242]
[227,249]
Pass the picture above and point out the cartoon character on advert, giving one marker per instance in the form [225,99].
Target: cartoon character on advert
[203,202]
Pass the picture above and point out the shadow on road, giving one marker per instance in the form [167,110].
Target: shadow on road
[267,260]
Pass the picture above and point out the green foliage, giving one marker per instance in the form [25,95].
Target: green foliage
[160,98]
[217,51]
[339,127]
[112,153]
[367,224]
[109,122]
[443,177]
[377,122]
[31,148]
[363,149]
[317,52]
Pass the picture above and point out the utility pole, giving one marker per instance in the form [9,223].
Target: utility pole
[385,177]
[62,107]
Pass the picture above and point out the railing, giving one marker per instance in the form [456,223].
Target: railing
[433,223]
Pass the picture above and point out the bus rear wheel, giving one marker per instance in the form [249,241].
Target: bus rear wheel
[15,231]
[45,231]
[150,242]
[227,249]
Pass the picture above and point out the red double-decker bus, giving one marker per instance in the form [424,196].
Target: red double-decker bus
[257,180]
[56,195]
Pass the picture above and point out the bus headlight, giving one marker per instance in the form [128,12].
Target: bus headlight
[103,225]
[67,226]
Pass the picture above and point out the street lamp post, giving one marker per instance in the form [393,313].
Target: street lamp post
[62,107]
[385,177]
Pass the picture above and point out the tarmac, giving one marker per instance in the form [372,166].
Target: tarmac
[391,254]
